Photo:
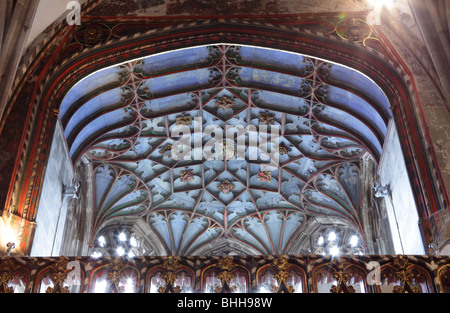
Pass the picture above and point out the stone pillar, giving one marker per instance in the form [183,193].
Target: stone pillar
[376,222]
[79,219]
[432,19]
[16,18]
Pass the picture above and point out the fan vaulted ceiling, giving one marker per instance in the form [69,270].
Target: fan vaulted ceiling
[124,119]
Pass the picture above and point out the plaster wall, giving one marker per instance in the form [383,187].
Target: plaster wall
[48,11]
[52,209]
[400,206]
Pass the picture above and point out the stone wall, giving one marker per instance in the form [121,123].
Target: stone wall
[419,34]
[53,206]
[78,224]
[400,204]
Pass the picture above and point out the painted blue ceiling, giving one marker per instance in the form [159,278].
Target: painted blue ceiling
[123,117]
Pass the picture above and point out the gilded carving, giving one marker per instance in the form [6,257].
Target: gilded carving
[115,274]
[282,276]
[265,118]
[5,279]
[225,276]
[283,149]
[187,175]
[59,276]
[225,103]
[170,277]
[342,276]
[354,30]
[404,276]
[226,264]
[6,267]
[184,120]
[92,34]
[264,176]
[166,150]
[226,186]
[171,264]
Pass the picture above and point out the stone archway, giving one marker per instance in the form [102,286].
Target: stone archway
[79,56]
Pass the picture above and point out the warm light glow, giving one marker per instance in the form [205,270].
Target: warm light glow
[7,235]
[376,7]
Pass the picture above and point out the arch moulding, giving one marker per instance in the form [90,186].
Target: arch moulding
[67,57]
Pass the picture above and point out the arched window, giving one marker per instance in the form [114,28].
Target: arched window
[225,276]
[46,282]
[334,240]
[281,277]
[339,278]
[444,278]
[115,277]
[61,277]
[404,278]
[158,282]
[20,279]
[14,278]
[171,277]
[119,241]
